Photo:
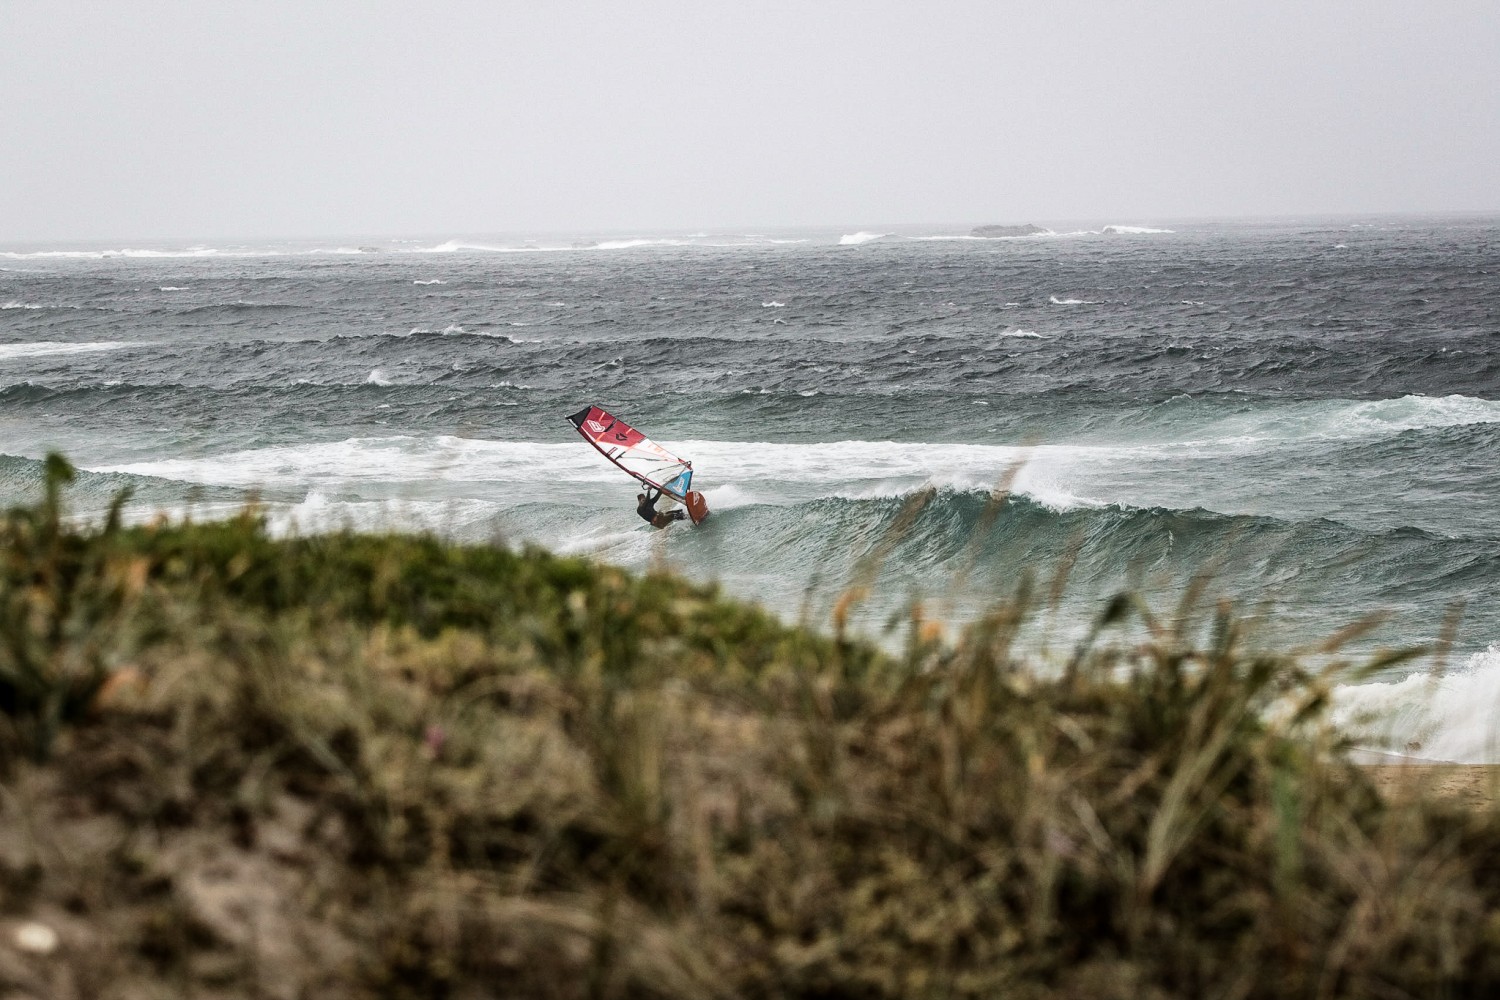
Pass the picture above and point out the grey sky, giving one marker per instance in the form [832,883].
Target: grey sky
[284,119]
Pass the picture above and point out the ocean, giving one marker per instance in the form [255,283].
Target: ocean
[1304,413]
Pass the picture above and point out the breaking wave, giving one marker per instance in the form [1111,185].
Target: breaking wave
[1131,230]
[44,348]
[1446,716]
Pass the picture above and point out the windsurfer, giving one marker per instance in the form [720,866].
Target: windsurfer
[646,507]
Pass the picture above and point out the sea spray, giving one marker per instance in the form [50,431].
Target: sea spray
[1450,715]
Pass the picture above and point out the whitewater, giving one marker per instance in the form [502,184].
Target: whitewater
[1306,411]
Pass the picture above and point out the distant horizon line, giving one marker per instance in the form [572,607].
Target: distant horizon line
[747,229]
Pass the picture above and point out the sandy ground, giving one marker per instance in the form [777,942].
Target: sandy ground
[1477,785]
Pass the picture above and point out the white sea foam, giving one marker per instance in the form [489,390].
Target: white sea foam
[1058,474]
[855,239]
[451,330]
[705,240]
[883,468]
[1450,716]
[632,243]
[462,246]
[1070,302]
[728,496]
[353,461]
[1416,412]
[377,377]
[773,305]
[522,467]
[321,513]
[432,281]
[1063,476]
[172,288]
[1131,230]
[127,252]
[455,246]
[1346,419]
[628,547]
[1038,482]
[396,247]
[1026,334]
[45,347]
[318,512]
[14,304]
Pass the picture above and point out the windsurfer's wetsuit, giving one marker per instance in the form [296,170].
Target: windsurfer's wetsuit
[647,509]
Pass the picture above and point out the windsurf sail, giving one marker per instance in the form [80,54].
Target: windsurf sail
[634,452]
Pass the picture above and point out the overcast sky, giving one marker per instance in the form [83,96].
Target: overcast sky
[264,119]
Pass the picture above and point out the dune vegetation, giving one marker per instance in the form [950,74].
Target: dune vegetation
[233,765]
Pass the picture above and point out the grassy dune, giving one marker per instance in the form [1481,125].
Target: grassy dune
[384,766]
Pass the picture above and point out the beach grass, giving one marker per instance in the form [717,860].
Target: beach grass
[233,765]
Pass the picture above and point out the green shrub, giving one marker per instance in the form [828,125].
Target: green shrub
[386,766]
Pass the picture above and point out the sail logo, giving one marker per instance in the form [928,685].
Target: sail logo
[595,426]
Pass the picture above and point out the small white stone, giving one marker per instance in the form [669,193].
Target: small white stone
[39,939]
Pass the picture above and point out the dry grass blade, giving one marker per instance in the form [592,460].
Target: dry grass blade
[993,505]
[868,567]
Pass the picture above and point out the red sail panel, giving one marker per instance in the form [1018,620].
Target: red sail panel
[633,452]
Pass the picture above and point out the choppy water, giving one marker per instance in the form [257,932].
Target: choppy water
[1309,411]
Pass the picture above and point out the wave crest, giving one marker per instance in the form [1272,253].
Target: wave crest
[42,348]
[1447,716]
